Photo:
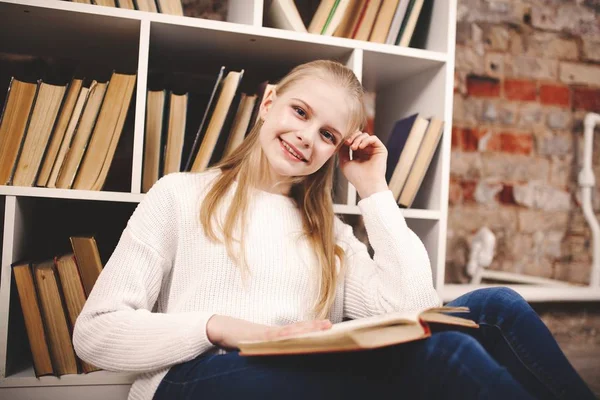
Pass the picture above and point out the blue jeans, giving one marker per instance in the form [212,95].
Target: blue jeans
[511,356]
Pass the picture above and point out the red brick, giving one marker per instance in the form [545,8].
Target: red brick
[506,195]
[516,143]
[457,135]
[555,95]
[585,98]
[455,193]
[470,139]
[482,86]
[468,191]
[520,89]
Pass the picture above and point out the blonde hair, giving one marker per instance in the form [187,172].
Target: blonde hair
[312,194]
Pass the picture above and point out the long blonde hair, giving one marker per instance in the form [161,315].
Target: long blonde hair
[312,194]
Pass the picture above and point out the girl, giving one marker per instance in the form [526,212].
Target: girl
[251,249]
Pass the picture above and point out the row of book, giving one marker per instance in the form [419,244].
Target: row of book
[172,7]
[52,294]
[411,146]
[62,135]
[380,21]
[174,142]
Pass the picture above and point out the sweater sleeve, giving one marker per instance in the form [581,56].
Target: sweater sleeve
[399,276]
[117,329]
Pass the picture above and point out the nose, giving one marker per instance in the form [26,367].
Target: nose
[307,135]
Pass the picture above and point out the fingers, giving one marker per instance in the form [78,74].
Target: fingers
[299,328]
[359,140]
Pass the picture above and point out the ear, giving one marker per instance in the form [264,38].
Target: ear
[267,103]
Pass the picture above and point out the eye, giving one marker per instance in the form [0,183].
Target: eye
[329,136]
[299,111]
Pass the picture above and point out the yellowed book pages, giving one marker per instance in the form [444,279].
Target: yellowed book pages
[230,85]
[83,130]
[38,342]
[424,156]
[83,1]
[240,124]
[411,23]
[146,5]
[172,7]
[64,115]
[45,111]
[365,333]
[68,136]
[106,3]
[107,132]
[318,20]
[366,25]
[337,17]
[154,120]
[88,261]
[383,21]
[350,19]
[74,295]
[55,320]
[127,4]
[13,124]
[408,156]
[175,132]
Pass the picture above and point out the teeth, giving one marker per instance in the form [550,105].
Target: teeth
[292,151]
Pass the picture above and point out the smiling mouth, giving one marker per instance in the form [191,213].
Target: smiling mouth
[291,151]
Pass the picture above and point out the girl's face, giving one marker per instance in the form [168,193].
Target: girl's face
[303,126]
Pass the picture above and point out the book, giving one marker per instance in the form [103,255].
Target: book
[409,23]
[74,295]
[106,3]
[127,4]
[205,118]
[395,144]
[107,131]
[367,20]
[173,7]
[383,21]
[317,23]
[145,5]
[32,314]
[154,119]
[336,17]
[13,124]
[175,132]
[417,126]
[58,134]
[362,334]
[43,117]
[231,85]
[397,22]
[88,260]
[283,14]
[65,144]
[55,321]
[83,131]
[350,19]
[240,123]
[422,161]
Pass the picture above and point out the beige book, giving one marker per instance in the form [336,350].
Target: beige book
[107,132]
[408,156]
[83,1]
[240,123]
[146,5]
[350,19]
[74,295]
[336,19]
[88,260]
[318,20]
[106,3]
[283,14]
[127,4]
[154,122]
[361,334]
[64,115]
[55,320]
[68,136]
[368,20]
[13,124]
[172,7]
[175,132]
[383,22]
[43,117]
[411,23]
[422,162]
[83,130]
[230,86]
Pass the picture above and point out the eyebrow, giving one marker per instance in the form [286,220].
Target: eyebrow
[335,131]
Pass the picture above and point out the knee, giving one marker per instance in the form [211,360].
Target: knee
[500,295]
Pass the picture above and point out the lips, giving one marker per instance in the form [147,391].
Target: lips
[298,152]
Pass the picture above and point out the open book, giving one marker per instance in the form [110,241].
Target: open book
[361,334]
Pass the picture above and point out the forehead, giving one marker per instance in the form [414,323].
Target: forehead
[329,102]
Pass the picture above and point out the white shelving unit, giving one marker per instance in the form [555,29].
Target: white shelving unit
[405,80]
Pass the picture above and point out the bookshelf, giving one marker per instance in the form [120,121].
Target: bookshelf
[405,80]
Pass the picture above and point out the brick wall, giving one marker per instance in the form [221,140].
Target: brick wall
[527,71]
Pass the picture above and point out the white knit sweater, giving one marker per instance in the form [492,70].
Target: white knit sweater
[149,307]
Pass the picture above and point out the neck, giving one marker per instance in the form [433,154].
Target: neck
[275,183]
